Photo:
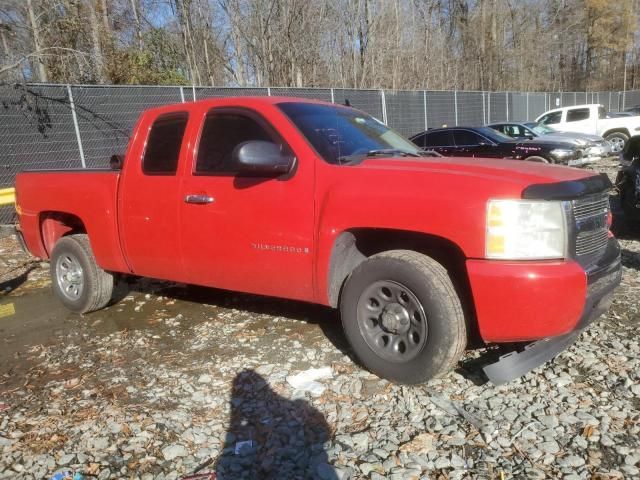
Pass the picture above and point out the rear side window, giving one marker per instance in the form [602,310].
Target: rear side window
[419,140]
[438,139]
[466,138]
[577,114]
[163,145]
[551,118]
[221,134]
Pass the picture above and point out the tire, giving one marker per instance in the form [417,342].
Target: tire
[617,140]
[78,282]
[536,158]
[432,311]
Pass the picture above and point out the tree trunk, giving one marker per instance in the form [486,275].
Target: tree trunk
[136,19]
[96,48]
[42,70]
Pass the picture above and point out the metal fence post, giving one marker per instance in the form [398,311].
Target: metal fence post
[455,105]
[182,94]
[268,91]
[75,125]
[527,106]
[193,92]
[488,107]
[484,113]
[384,107]
[333,98]
[506,98]
[424,106]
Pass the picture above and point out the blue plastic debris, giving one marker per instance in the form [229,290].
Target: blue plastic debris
[67,475]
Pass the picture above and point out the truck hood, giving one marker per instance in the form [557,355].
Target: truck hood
[516,173]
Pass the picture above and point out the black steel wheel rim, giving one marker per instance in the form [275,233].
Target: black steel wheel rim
[392,321]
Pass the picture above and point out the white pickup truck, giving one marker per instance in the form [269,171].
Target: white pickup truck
[593,119]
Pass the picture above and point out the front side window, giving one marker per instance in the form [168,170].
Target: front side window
[516,131]
[163,145]
[513,131]
[551,118]
[339,134]
[221,134]
[466,138]
[577,114]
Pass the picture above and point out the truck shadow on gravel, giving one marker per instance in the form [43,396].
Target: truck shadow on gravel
[478,355]
[272,437]
[327,319]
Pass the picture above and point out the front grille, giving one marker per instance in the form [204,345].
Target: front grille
[588,243]
[591,228]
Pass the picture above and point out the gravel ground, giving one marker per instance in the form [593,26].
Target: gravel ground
[172,377]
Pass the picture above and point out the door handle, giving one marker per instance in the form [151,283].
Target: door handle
[199,199]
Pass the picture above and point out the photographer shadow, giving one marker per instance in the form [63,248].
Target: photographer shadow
[272,437]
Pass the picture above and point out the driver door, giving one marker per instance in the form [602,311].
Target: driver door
[243,233]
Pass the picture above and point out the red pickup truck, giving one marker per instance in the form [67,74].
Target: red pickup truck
[323,203]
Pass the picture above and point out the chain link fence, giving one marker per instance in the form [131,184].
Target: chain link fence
[81,126]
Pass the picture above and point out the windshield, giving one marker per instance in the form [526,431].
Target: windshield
[494,135]
[342,135]
[539,128]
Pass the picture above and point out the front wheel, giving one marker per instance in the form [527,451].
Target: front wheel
[78,282]
[402,317]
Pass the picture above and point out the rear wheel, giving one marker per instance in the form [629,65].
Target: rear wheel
[402,316]
[617,141]
[78,282]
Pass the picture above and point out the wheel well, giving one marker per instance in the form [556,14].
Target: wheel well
[616,130]
[536,157]
[54,225]
[354,246]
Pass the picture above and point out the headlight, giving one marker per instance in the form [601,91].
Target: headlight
[525,230]
[581,142]
[562,153]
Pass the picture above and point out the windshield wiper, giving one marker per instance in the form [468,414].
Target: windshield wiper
[430,153]
[391,151]
[354,157]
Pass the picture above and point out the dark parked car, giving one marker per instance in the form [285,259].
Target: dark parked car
[635,110]
[593,147]
[628,180]
[489,143]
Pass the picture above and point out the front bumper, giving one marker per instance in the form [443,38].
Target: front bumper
[601,280]
[525,301]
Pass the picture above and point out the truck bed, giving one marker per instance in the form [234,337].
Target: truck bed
[44,204]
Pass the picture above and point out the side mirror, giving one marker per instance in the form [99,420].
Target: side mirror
[116,162]
[257,157]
